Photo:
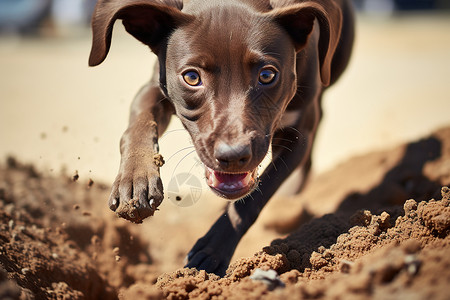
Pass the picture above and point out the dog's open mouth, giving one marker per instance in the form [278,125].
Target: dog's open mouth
[231,185]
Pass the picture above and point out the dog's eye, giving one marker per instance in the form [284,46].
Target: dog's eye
[192,78]
[267,76]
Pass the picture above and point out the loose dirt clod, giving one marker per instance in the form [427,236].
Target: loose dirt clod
[90,183]
[158,160]
[75,176]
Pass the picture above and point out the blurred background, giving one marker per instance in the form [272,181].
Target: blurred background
[63,116]
[34,17]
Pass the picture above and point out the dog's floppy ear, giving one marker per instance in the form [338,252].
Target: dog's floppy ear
[149,21]
[298,20]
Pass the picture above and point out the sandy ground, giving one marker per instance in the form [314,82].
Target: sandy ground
[64,117]
[59,242]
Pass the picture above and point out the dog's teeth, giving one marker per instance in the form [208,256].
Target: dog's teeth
[221,181]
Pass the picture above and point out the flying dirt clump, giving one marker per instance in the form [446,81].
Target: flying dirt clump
[158,160]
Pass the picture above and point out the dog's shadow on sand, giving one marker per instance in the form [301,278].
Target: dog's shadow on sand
[406,180]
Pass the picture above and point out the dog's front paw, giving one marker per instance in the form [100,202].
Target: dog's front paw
[136,193]
[213,252]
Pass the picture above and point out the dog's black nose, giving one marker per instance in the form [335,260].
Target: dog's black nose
[232,157]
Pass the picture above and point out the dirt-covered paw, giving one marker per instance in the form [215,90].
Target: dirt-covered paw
[136,197]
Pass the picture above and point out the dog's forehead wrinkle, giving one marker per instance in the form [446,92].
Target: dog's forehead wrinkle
[229,22]
[199,7]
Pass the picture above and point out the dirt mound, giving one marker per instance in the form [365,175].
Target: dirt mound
[374,258]
[356,233]
[58,241]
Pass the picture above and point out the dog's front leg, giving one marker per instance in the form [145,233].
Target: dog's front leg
[137,191]
[213,252]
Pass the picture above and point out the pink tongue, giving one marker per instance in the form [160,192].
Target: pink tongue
[229,178]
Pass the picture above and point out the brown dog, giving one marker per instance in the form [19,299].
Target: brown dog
[242,76]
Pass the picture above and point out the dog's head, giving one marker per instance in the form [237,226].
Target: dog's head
[229,69]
